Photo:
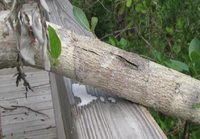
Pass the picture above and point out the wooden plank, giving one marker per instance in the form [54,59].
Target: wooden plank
[0,126]
[43,133]
[64,113]
[41,105]
[12,123]
[115,119]
[97,120]
[57,107]
[23,122]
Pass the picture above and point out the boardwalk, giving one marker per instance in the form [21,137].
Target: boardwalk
[100,119]
[34,117]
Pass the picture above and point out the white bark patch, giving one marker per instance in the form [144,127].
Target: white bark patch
[28,54]
[3,15]
[81,92]
[107,61]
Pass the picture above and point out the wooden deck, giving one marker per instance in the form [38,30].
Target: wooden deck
[66,111]
[34,116]
[95,114]
[104,117]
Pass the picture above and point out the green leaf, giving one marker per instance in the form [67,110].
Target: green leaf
[194,50]
[147,3]
[157,55]
[169,30]
[180,23]
[176,48]
[55,43]
[123,43]
[94,22]
[177,65]
[196,106]
[140,8]
[112,41]
[81,18]
[128,3]
[122,9]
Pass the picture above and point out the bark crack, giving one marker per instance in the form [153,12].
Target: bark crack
[90,51]
[177,90]
[127,62]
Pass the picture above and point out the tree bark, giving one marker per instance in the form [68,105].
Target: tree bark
[126,74]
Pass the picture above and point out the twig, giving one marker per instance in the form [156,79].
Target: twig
[8,109]
[14,107]
[186,133]
[21,75]
[102,5]
[30,109]
[118,32]
[145,41]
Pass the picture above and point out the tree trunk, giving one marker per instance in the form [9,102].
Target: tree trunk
[128,75]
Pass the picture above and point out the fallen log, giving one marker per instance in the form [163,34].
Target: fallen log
[126,74]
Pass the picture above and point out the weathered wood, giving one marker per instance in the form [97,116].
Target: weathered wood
[114,120]
[64,109]
[22,122]
[125,74]
[58,110]
[97,120]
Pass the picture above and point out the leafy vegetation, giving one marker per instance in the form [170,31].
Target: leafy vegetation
[166,31]
[81,18]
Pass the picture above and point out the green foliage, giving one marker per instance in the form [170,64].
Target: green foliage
[194,50]
[196,106]
[128,3]
[177,65]
[55,43]
[94,21]
[166,31]
[122,43]
[81,18]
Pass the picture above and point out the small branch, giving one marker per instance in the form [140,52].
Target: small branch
[21,75]
[8,109]
[102,5]
[14,107]
[186,133]
[30,109]
[145,41]
[118,32]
